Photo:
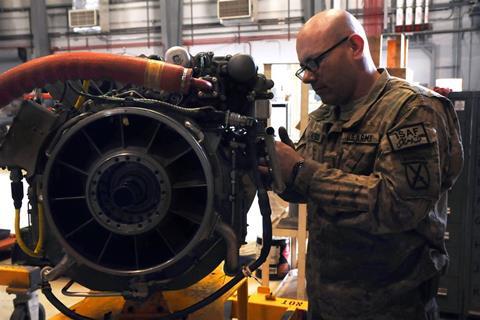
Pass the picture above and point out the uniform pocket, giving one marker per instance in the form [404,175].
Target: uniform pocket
[314,137]
[358,158]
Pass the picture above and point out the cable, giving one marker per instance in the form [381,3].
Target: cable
[41,228]
[16,178]
[151,103]
[36,253]
[47,291]
[81,98]
[19,239]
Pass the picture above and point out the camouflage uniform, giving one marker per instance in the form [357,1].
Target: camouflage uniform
[376,190]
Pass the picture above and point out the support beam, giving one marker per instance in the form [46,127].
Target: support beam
[39,27]
[171,20]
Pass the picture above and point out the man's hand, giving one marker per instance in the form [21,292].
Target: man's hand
[287,158]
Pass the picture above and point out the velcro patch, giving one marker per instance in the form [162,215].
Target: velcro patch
[314,136]
[408,137]
[360,138]
[417,174]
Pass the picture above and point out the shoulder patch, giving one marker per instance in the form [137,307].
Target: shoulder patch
[360,138]
[417,174]
[407,137]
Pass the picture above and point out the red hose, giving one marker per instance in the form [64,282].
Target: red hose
[96,66]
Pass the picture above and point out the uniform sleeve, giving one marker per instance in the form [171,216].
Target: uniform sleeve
[408,178]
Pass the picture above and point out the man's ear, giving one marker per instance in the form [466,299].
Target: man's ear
[356,43]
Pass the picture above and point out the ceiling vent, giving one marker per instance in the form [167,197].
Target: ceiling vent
[82,18]
[236,11]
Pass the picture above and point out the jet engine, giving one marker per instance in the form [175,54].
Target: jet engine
[141,172]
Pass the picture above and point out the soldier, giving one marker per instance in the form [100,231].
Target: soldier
[374,166]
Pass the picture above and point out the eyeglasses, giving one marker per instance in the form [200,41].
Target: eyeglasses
[312,64]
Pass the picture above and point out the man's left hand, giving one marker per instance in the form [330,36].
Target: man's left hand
[287,158]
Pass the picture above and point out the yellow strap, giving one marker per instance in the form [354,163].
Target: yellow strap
[153,73]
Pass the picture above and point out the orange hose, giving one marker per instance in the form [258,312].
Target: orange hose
[96,66]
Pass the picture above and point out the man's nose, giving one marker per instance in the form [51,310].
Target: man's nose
[308,76]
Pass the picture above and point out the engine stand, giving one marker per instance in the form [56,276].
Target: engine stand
[160,303]
[23,282]
[265,306]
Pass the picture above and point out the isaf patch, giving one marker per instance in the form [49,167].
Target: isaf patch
[417,175]
[360,138]
[407,137]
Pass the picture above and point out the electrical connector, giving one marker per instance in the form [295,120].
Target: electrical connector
[17,186]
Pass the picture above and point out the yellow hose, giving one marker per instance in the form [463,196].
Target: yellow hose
[36,253]
[81,99]
[39,246]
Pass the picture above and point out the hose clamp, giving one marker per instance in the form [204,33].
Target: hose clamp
[183,83]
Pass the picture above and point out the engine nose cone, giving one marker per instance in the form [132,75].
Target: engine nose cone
[129,193]
[124,197]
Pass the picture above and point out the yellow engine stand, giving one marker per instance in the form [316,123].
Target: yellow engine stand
[160,304]
[265,306]
[23,282]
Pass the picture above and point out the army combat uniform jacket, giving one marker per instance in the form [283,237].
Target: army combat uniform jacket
[375,187]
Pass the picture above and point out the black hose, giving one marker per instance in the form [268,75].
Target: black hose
[47,291]
[263,203]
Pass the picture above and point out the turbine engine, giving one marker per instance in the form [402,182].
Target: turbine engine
[145,171]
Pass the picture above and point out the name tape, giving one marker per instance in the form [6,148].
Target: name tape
[360,138]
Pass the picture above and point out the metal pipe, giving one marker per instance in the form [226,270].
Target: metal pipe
[224,40]
[231,265]
[288,18]
[470,64]
[205,41]
[385,14]
[458,45]
[148,23]
[191,20]
[154,30]
[389,34]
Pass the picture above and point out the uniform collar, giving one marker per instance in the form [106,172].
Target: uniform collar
[369,100]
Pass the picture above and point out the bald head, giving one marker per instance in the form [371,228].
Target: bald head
[331,25]
[333,51]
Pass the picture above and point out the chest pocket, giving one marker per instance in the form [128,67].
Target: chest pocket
[359,151]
